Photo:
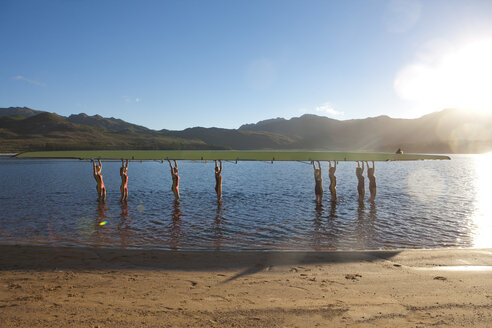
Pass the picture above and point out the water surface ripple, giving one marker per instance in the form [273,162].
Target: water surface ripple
[429,204]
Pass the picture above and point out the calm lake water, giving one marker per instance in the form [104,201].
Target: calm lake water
[425,204]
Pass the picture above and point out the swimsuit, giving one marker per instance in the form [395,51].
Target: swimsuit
[318,188]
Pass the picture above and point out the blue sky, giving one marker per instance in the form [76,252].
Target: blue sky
[178,64]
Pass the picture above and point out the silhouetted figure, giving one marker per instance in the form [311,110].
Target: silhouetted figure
[372,181]
[318,187]
[360,178]
[333,181]
[218,180]
[399,151]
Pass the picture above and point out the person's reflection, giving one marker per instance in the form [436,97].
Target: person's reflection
[124,225]
[373,213]
[218,230]
[101,220]
[365,225]
[333,210]
[317,225]
[176,225]
[101,214]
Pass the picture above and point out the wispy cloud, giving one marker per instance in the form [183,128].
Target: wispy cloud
[23,78]
[328,109]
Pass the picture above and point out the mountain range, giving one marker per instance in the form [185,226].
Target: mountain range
[446,131]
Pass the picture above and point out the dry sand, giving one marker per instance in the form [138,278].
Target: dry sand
[94,287]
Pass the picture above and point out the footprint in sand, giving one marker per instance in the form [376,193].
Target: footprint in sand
[353,277]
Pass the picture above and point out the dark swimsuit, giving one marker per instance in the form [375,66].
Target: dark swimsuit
[318,189]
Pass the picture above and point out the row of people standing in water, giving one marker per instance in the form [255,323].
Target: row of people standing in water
[175,177]
[101,189]
[318,189]
[359,170]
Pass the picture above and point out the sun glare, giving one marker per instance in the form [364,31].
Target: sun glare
[460,78]
[482,218]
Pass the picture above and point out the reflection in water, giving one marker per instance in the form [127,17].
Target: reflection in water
[482,216]
[176,225]
[101,213]
[217,228]
[333,210]
[100,223]
[317,233]
[124,225]
[366,222]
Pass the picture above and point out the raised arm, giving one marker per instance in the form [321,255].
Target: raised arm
[319,166]
[314,166]
[220,166]
[373,167]
[93,167]
[175,164]
[171,166]
[100,164]
[362,167]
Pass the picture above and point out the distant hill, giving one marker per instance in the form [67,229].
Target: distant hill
[109,124]
[19,111]
[447,131]
[48,131]
[234,139]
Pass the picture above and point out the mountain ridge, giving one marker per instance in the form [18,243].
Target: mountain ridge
[446,131]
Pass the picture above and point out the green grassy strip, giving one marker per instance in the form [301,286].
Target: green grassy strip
[231,155]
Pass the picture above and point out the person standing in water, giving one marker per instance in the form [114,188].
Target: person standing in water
[360,185]
[372,181]
[124,181]
[175,176]
[101,189]
[218,180]
[333,180]
[318,188]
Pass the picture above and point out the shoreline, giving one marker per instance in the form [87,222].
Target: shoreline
[88,287]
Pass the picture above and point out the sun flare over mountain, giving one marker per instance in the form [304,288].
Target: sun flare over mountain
[458,77]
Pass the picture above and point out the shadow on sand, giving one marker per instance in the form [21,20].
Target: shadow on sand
[45,258]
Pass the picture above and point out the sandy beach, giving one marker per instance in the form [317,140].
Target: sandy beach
[95,287]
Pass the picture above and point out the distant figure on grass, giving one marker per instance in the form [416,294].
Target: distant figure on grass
[372,181]
[333,181]
[318,187]
[175,176]
[101,189]
[124,181]
[360,185]
[218,180]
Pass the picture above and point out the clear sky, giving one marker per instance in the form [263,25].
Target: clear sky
[178,64]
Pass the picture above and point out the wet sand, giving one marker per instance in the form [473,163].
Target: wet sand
[95,287]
